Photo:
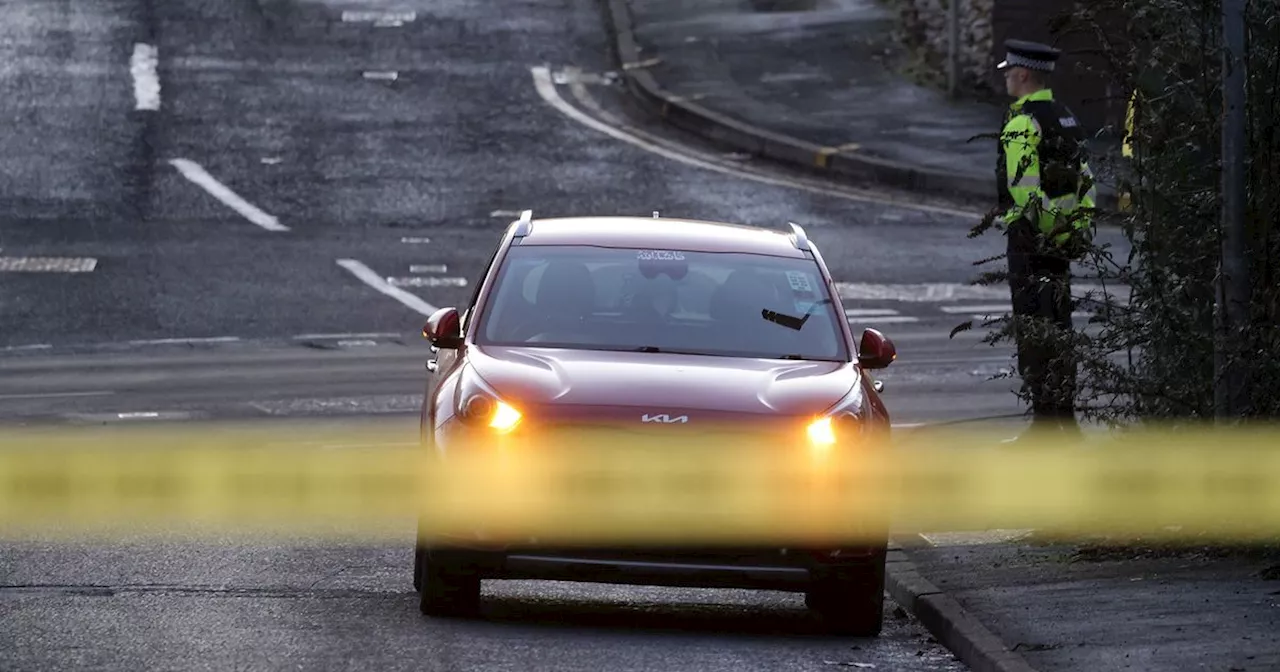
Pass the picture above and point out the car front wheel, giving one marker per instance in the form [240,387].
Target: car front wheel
[850,601]
[446,588]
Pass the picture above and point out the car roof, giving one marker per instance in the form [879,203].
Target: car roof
[662,233]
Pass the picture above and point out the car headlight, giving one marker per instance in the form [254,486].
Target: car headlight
[821,432]
[480,406]
[841,422]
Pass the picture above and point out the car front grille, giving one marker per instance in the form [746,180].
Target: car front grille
[660,437]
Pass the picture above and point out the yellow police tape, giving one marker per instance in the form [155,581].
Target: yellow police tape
[375,482]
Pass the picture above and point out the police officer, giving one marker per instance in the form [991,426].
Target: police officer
[1046,196]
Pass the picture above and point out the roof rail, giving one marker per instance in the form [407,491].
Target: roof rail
[524,225]
[798,237]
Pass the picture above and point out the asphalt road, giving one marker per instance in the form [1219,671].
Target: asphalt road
[290,108]
[297,606]
[364,378]
[214,248]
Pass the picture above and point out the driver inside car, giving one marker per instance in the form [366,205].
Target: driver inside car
[566,296]
[651,302]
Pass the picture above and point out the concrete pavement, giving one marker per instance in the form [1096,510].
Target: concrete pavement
[1063,607]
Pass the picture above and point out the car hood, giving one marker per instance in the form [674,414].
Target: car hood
[660,382]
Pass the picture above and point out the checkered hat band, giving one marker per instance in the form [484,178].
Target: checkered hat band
[1014,60]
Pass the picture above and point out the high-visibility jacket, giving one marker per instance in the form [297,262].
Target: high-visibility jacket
[1043,171]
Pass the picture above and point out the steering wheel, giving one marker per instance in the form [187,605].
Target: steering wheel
[554,336]
[544,328]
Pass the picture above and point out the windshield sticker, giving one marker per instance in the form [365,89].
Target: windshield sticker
[800,282]
[659,255]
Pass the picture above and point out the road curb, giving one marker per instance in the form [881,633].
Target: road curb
[778,147]
[948,622]
[940,614]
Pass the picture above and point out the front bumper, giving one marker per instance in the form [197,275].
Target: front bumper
[693,561]
[748,568]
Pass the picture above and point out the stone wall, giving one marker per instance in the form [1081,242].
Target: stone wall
[923,30]
[1080,81]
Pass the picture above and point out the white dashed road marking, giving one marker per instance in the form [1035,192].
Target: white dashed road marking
[100,418]
[134,415]
[415,241]
[21,348]
[877,316]
[368,277]
[991,312]
[379,19]
[186,341]
[918,292]
[869,312]
[55,395]
[146,81]
[371,404]
[386,76]
[979,310]
[885,319]
[48,264]
[192,171]
[427,282]
[332,337]
[429,268]
[937,292]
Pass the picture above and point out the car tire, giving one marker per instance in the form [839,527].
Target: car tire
[418,561]
[850,601]
[419,558]
[447,587]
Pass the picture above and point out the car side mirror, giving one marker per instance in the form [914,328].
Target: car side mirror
[876,351]
[444,329]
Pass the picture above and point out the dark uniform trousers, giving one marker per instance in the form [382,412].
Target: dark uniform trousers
[1040,285]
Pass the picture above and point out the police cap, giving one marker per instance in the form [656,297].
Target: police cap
[1030,55]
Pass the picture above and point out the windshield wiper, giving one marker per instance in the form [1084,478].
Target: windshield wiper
[790,321]
[647,348]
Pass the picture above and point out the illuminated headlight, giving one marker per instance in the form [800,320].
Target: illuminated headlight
[831,429]
[504,418]
[821,432]
[840,423]
[480,407]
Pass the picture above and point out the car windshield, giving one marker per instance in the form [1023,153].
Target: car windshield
[737,305]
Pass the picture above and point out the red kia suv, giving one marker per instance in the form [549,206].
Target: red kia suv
[638,324]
